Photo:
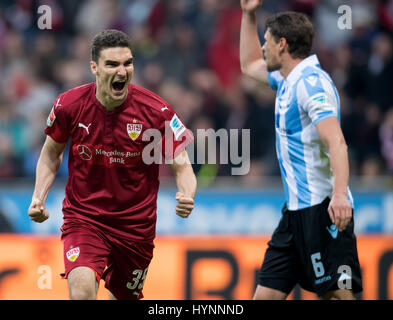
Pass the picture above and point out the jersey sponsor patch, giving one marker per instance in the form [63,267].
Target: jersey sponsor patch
[134,129]
[51,118]
[177,126]
[320,97]
[73,254]
[320,103]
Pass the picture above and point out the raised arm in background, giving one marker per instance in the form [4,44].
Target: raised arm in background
[252,61]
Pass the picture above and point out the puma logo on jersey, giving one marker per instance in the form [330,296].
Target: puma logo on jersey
[164,108]
[81,125]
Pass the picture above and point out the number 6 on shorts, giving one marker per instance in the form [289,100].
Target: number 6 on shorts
[317,264]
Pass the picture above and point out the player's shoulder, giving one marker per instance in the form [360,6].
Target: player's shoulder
[310,72]
[315,76]
[75,96]
[314,80]
[148,99]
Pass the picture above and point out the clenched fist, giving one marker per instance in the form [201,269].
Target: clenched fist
[250,5]
[37,211]
[184,205]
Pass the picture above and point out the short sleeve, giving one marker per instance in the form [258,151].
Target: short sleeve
[176,136]
[57,124]
[274,78]
[321,101]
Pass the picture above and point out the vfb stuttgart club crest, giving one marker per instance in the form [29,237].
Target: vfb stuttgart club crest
[134,129]
[73,254]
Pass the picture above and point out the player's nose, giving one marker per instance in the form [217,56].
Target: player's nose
[122,71]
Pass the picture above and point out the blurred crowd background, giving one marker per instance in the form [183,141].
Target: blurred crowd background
[187,51]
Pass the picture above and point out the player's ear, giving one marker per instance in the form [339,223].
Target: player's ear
[283,43]
[94,68]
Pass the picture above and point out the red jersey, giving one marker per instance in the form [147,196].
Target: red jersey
[110,184]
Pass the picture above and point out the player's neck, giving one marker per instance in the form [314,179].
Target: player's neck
[108,102]
[288,65]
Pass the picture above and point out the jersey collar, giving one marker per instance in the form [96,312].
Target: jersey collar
[296,72]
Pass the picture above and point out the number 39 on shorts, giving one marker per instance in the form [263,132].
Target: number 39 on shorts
[138,280]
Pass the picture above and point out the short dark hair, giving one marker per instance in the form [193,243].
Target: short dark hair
[108,39]
[296,28]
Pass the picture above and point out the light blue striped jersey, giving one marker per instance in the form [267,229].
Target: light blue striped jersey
[305,98]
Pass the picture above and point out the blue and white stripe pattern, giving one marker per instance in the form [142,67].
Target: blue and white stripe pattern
[305,98]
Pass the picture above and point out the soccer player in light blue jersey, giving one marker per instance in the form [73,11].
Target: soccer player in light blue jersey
[314,244]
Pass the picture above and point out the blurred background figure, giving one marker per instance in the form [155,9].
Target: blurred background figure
[386,135]
[188,52]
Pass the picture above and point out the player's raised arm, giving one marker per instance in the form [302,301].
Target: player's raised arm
[47,167]
[252,62]
[186,184]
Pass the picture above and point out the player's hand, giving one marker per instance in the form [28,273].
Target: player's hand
[340,211]
[184,205]
[37,211]
[250,5]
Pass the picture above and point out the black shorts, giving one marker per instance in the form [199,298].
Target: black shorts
[306,249]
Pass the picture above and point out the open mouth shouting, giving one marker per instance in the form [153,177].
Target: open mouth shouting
[118,86]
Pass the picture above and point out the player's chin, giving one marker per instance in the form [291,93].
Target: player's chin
[273,67]
[118,95]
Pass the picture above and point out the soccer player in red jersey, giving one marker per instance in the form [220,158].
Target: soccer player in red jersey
[110,205]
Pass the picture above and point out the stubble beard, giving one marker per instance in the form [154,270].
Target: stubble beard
[273,67]
[108,98]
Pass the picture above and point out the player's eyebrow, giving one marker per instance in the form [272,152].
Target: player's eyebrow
[111,62]
[131,60]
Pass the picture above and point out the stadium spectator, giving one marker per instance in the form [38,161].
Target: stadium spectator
[36,65]
[386,134]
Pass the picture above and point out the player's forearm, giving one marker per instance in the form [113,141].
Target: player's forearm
[47,168]
[186,181]
[250,46]
[340,166]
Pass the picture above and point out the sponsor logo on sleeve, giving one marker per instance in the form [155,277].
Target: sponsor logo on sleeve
[51,118]
[177,126]
[320,103]
[319,98]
